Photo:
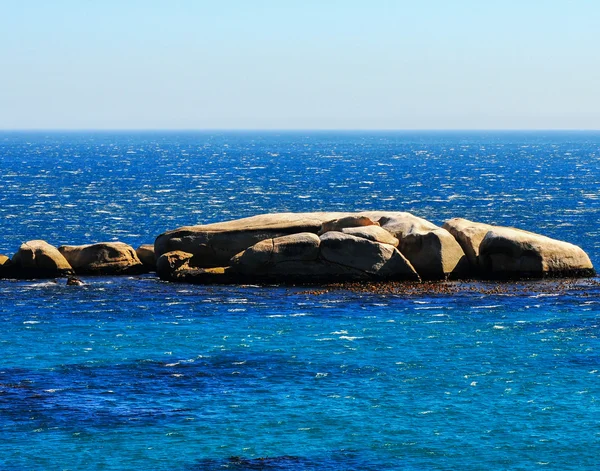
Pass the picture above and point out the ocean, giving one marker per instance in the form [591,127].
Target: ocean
[130,373]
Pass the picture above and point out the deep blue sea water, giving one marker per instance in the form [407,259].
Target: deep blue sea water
[132,373]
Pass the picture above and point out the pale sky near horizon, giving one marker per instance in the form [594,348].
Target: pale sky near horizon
[277,64]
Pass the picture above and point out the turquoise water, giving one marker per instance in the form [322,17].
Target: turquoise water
[133,373]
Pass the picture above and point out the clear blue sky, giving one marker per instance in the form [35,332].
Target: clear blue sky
[309,64]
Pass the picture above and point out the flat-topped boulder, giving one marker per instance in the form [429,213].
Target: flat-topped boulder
[39,259]
[431,250]
[506,252]
[103,258]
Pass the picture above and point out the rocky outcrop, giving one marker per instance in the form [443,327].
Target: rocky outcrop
[333,256]
[104,258]
[39,259]
[381,260]
[146,255]
[216,243]
[469,235]
[505,252]
[512,253]
[431,250]
[262,257]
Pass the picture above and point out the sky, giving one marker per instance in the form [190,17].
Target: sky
[305,64]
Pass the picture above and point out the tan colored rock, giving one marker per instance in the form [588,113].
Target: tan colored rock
[179,266]
[145,253]
[508,253]
[469,235]
[264,255]
[216,243]
[346,222]
[104,258]
[39,259]
[432,251]
[381,260]
[374,233]
[167,264]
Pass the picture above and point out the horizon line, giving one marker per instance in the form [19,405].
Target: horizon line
[299,129]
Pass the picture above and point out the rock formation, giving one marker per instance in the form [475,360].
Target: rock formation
[506,252]
[317,247]
[105,258]
[146,255]
[512,253]
[39,259]
[333,256]
[431,250]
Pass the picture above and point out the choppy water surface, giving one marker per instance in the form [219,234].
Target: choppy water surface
[133,373]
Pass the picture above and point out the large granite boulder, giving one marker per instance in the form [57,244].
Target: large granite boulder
[433,251]
[262,257]
[512,253]
[39,259]
[381,260]
[469,235]
[334,256]
[104,258]
[146,255]
[216,243]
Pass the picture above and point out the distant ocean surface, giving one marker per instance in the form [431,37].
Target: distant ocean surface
[132,373]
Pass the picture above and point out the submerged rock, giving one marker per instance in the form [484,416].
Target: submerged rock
[39,259]
[104,258]
[73,281]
